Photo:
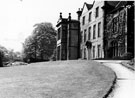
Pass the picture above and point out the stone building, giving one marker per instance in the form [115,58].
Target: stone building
[92,28]
[104,29]
[119,28]
[67,38]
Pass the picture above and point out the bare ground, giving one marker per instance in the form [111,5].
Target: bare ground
[66,79]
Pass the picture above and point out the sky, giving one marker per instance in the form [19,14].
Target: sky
[17,17]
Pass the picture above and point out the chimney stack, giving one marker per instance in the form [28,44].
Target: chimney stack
[69,17]
[79,12]
[60,15]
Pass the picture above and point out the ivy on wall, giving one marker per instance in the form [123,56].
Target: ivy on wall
[116,29]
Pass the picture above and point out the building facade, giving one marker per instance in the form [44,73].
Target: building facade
[67,38]
[92,28]
[119,28]
[104,29]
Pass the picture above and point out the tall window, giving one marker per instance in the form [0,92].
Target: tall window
[90,16]
[116,24]
[83,21]
[84,53]
[93,51]
[94,31]
[58,53]
[81,38]
[97,12]
[85,35]
[58,33]
[99,50]
[99,29]
[114,48]
[89,33]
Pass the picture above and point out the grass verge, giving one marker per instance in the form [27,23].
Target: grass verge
[59,79]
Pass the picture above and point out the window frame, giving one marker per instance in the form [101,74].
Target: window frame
[99,29]
[94,31]
[99,50]
[93,49]
[97,12]
[85,30]
[89,33]
[83,20]
[90,14]
[85,53]
[59,34]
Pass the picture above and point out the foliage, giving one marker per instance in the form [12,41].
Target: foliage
[7,56]
[53,57]
[41,44]
[132,62]
[127,55]
[1,55]
[88,44]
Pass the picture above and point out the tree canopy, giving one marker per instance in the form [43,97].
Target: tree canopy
[41,44]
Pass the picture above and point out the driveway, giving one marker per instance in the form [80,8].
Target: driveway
[125,85]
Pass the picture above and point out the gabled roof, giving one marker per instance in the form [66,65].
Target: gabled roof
[86,7]
[89,6]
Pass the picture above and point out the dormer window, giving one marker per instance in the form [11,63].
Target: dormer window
[97,12]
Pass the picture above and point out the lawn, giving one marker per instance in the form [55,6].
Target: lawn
[66,79]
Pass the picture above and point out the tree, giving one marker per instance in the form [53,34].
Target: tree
[1,62]
[3,55]
[53,57]
[41,44]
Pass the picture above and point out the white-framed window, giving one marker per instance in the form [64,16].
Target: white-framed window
[99,51]
[83,20]
[85,31]
[97,12]
[93,52]
[99,29]
[90,16]
[89,33]
[84,53]
[58,36]
[94,31]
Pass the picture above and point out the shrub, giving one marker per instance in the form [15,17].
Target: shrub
[127,56]
[132,62]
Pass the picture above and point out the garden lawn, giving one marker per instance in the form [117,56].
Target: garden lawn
[58,79]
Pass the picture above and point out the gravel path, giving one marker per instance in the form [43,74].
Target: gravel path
[125,86]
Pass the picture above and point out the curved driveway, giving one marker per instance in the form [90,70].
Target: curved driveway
[125,85]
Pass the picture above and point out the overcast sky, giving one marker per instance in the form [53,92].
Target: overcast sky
[17,17]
